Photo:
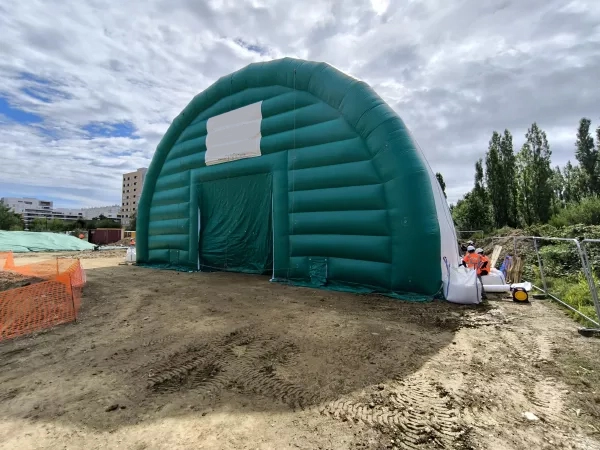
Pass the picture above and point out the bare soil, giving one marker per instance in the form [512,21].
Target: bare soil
[169,360]
[9,280]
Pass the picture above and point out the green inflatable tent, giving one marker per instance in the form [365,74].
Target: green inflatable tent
[295,169]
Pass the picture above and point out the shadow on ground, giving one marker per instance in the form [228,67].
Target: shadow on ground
[155,344]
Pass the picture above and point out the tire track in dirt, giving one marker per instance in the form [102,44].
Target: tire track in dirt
[243,358]
[534,349]
[127,359]
[542,393]
[548,402]
[473,377]
[475,408]
[521,385]
[546,346]
[524,346]
[268,384]
[417,410]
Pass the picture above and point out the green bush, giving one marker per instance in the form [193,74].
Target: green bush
[586,212]
[560,260]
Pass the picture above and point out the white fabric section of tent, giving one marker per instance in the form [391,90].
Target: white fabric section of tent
[234,135]
[460,285]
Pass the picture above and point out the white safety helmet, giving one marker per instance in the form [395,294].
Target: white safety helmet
[470,248]
[479,250]
[470,242]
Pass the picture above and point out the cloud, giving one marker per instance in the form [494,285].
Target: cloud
[88,88]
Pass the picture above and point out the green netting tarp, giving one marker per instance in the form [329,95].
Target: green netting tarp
[25,241]
[235,224]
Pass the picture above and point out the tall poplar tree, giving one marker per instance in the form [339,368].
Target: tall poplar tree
[494,180]
[587,155]
[509,177]
[535,177]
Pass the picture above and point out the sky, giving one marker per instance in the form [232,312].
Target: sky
[88,88]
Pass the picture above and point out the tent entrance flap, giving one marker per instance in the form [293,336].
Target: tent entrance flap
[236,230]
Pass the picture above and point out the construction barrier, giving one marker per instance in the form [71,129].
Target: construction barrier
[53,296]
[7,261]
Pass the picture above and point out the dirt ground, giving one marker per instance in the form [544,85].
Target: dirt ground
[30,257]
[168,360]
[9,280]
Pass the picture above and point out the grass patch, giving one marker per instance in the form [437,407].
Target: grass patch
[574,291]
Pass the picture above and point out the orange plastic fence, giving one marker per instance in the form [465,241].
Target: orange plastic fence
[52,298]
[7,261]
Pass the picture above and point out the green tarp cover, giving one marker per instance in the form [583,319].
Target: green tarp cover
[24,241]
[235,224]
[295,167]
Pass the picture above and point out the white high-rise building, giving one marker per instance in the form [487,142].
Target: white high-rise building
[131,193]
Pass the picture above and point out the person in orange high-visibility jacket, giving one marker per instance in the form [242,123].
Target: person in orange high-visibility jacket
[472,260]
[484,268]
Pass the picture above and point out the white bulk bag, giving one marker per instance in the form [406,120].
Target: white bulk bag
[462,285]
[130,256]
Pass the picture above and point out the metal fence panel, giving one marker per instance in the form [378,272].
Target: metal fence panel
[585,265]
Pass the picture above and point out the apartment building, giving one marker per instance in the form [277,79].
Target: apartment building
[110,212]
[132,191]
[33,208]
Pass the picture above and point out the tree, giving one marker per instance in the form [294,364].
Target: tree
[500,164]
[38,224]
[574,183]
[479,189]
[535,177]
[56,226]
[495,179]
[558,185]
[438,175]
[542,159]
[473,211]
[79,224]
[104,223]
[558,191]
[509,179]
[587,155]
[597,173]
[45,224]
[133,219]
[525,183]
[9,221]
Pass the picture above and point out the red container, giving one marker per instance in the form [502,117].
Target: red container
[105,236]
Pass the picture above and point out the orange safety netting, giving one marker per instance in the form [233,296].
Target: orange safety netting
[52,298]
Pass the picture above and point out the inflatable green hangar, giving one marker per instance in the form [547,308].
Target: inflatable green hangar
[294,169]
